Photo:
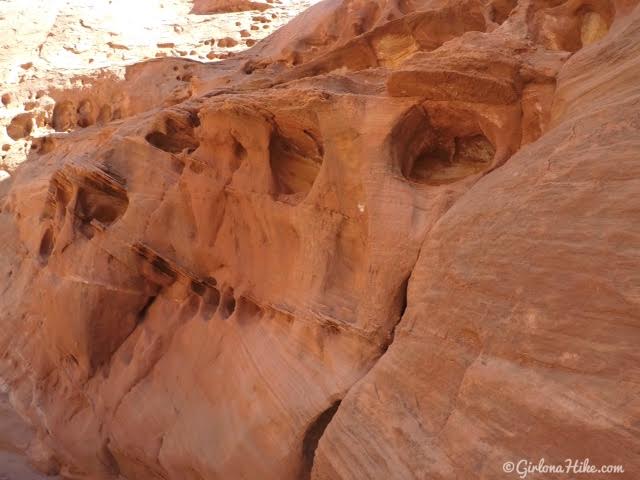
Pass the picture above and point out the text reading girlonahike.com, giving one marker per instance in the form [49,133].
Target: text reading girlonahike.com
[523,467]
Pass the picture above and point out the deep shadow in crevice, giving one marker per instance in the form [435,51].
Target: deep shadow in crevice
[402,294]
[312,437]
[227,304]
[46,244]
[142,313]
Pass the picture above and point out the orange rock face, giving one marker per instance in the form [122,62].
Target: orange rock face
[392,240]
[73,55]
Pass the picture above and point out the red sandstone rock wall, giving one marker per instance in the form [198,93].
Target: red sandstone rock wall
[394,240]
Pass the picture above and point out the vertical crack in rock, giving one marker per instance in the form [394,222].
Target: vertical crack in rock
[108,459]
[142,313]
[403,308]
[312,437]
[319,425]
[317,428]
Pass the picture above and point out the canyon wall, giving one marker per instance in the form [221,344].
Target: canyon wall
[395,239]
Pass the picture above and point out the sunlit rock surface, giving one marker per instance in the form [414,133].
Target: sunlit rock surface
[51,46]
[392,240]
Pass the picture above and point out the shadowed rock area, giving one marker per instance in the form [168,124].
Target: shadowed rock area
[394,239]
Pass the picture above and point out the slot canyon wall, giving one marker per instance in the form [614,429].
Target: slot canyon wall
[394,239]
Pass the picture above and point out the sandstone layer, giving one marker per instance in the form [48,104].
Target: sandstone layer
[49,46]
[395,239]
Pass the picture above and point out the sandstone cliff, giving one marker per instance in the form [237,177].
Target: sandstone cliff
[395,239]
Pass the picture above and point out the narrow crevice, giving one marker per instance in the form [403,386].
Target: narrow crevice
[46,245]
[312,437]
[108,459]
[227,304]
[139,318]
[141,375]
[403,307]
[317,428]
[142,313]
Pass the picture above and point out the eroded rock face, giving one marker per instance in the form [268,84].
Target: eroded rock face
[394,240]
[64,66]
[225,6]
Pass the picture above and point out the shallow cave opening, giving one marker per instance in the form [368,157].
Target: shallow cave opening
[570,29]
[449,159]
[101,200]
[86,113]
[295,164]
[46,244]
[594,25]
[424,153]
[104,206]
[176,134]
[227,304]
